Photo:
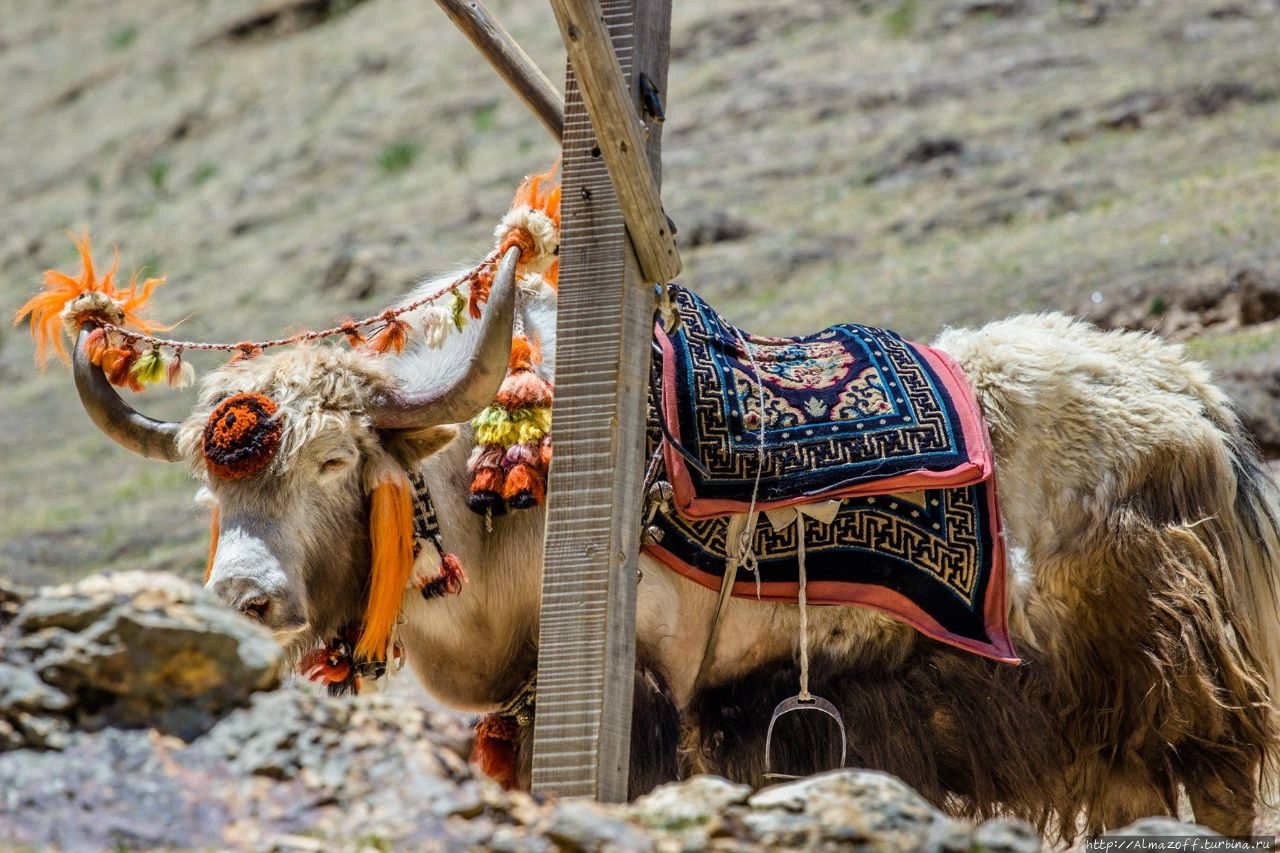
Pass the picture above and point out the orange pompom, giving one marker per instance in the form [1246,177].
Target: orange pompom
[241,436]
[494,750]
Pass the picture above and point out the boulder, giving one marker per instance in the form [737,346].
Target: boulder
[129,649]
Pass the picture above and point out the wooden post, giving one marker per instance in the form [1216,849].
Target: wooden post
[509,60]
[587,639]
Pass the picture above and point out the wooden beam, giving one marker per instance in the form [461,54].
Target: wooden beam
[509,60]
[611,103]
[586,661]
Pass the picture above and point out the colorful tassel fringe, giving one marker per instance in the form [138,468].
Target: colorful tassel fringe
[494,749]
[66,302]
[513,442]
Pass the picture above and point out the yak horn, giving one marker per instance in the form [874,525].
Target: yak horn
[478,384]
[143,435]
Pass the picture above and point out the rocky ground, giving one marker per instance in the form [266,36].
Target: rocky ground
[231,760]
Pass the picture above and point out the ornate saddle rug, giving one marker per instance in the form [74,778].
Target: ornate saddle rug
[874,450]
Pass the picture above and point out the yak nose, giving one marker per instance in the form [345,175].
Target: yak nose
[247,596]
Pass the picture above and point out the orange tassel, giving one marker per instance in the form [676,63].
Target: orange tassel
[213,547]
[495,747]
[116,365]
[95,345]
[521,354]
[541,192]
[354,338]
[392,337]
[523,487]
[391,540]
[478,294]
[321,665]
[449,581]
[246,350]
[485,495]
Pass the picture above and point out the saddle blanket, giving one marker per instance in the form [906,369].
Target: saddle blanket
[873,447]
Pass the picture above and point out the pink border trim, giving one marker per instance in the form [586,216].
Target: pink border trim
[978,469]
[995,612]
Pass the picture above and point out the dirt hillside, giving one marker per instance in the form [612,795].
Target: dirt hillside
[906,163]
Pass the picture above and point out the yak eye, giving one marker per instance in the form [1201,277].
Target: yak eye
[334,465]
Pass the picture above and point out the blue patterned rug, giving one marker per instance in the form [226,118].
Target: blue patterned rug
[879,440]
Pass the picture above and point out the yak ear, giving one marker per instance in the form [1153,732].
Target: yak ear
[410,446]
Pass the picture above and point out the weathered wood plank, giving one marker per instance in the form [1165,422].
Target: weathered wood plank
[610,102]
[509,60]
[587,634]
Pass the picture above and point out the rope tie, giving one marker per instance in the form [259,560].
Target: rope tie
[804,611]
[746,539]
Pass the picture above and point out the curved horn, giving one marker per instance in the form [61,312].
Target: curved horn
[143,435]
[478,384]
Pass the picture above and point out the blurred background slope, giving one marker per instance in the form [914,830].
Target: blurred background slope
[904,163]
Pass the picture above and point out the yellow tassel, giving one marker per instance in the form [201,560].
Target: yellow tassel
[458,310]
[149,368]
[391,541]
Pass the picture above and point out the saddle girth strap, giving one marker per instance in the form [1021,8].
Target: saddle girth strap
[737,525]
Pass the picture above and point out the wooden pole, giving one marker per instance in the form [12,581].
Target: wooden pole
[611,103]
[586,659]
[509,60]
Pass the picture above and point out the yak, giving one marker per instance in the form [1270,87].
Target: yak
[1140,524]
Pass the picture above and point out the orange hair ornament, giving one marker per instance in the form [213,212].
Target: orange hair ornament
[391,542]
[66,302]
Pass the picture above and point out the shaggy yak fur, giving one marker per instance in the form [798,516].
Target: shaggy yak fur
[1142,533]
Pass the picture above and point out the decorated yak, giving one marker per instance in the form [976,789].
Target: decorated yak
[1076,653]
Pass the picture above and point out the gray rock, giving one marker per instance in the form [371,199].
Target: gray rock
[689,808]
[587,826]
[842,807]
[1006,836]
[133,649]
[1163,826]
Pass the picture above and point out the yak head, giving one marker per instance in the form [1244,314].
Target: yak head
[300,452]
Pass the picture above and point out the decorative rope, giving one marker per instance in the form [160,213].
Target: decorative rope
[249,348]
